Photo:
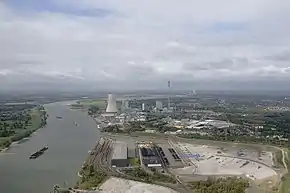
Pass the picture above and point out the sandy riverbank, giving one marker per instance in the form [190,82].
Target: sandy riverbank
[4,150]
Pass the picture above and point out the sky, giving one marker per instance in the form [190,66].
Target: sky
[116,44]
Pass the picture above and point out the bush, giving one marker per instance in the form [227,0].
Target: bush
[142,175]
[222,185]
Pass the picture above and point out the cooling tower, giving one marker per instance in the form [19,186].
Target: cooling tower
[111,106]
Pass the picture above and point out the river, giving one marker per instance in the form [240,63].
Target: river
[68,148]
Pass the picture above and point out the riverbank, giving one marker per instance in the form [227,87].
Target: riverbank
[38,120]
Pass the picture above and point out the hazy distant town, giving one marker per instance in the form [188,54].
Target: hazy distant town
[228,117]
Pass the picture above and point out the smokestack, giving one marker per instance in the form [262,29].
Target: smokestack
[169,85]
[111,106]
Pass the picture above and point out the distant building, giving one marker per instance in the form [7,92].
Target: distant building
[120,155]
[195,124]
[125,105]
[150,131]
[158,105]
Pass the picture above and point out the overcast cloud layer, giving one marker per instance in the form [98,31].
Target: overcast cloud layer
[144,43]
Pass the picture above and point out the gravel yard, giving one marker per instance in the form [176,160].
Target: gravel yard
[118,185]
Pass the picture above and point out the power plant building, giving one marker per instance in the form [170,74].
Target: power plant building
[111,109]
[120,155]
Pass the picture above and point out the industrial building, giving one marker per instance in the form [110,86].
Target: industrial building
[148,156]
[120,154]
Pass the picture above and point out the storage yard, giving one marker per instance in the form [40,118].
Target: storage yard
[197,159]
[209,160]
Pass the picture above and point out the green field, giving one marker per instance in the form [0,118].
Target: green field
[85,104]
[98,102]
[90,178]
[34,124]
[285,184]
[134,161]
[36,119]
[278,156]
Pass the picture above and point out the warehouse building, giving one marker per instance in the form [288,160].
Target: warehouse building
[120,155]
[149,157]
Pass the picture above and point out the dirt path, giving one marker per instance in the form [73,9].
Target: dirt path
[284,154]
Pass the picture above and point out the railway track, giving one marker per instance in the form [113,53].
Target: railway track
[100,157]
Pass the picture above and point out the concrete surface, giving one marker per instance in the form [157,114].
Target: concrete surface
[210,162]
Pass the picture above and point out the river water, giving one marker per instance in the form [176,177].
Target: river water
[68,148]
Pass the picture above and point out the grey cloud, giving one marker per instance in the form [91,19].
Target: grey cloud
[223,64]
[214,65]
[284,56]
[141,70]
[15,63]
[193,66]
[72,48]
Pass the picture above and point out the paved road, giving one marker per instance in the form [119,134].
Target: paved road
[68,148]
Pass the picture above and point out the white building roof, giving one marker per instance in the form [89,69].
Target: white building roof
[120,150]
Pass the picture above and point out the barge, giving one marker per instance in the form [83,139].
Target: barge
[38,153]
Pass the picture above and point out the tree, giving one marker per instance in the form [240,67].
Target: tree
[93,110]
[221,185]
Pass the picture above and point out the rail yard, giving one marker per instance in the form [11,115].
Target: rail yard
[100,156]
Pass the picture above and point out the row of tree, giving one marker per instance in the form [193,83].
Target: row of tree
[140,174]
[221,185]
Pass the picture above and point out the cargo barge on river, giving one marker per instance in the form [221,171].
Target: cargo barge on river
[38,153]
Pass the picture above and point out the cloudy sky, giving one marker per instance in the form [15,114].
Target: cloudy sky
[137,43]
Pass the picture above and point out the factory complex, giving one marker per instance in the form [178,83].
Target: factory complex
[185,159]
[147,153]
[151,155]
